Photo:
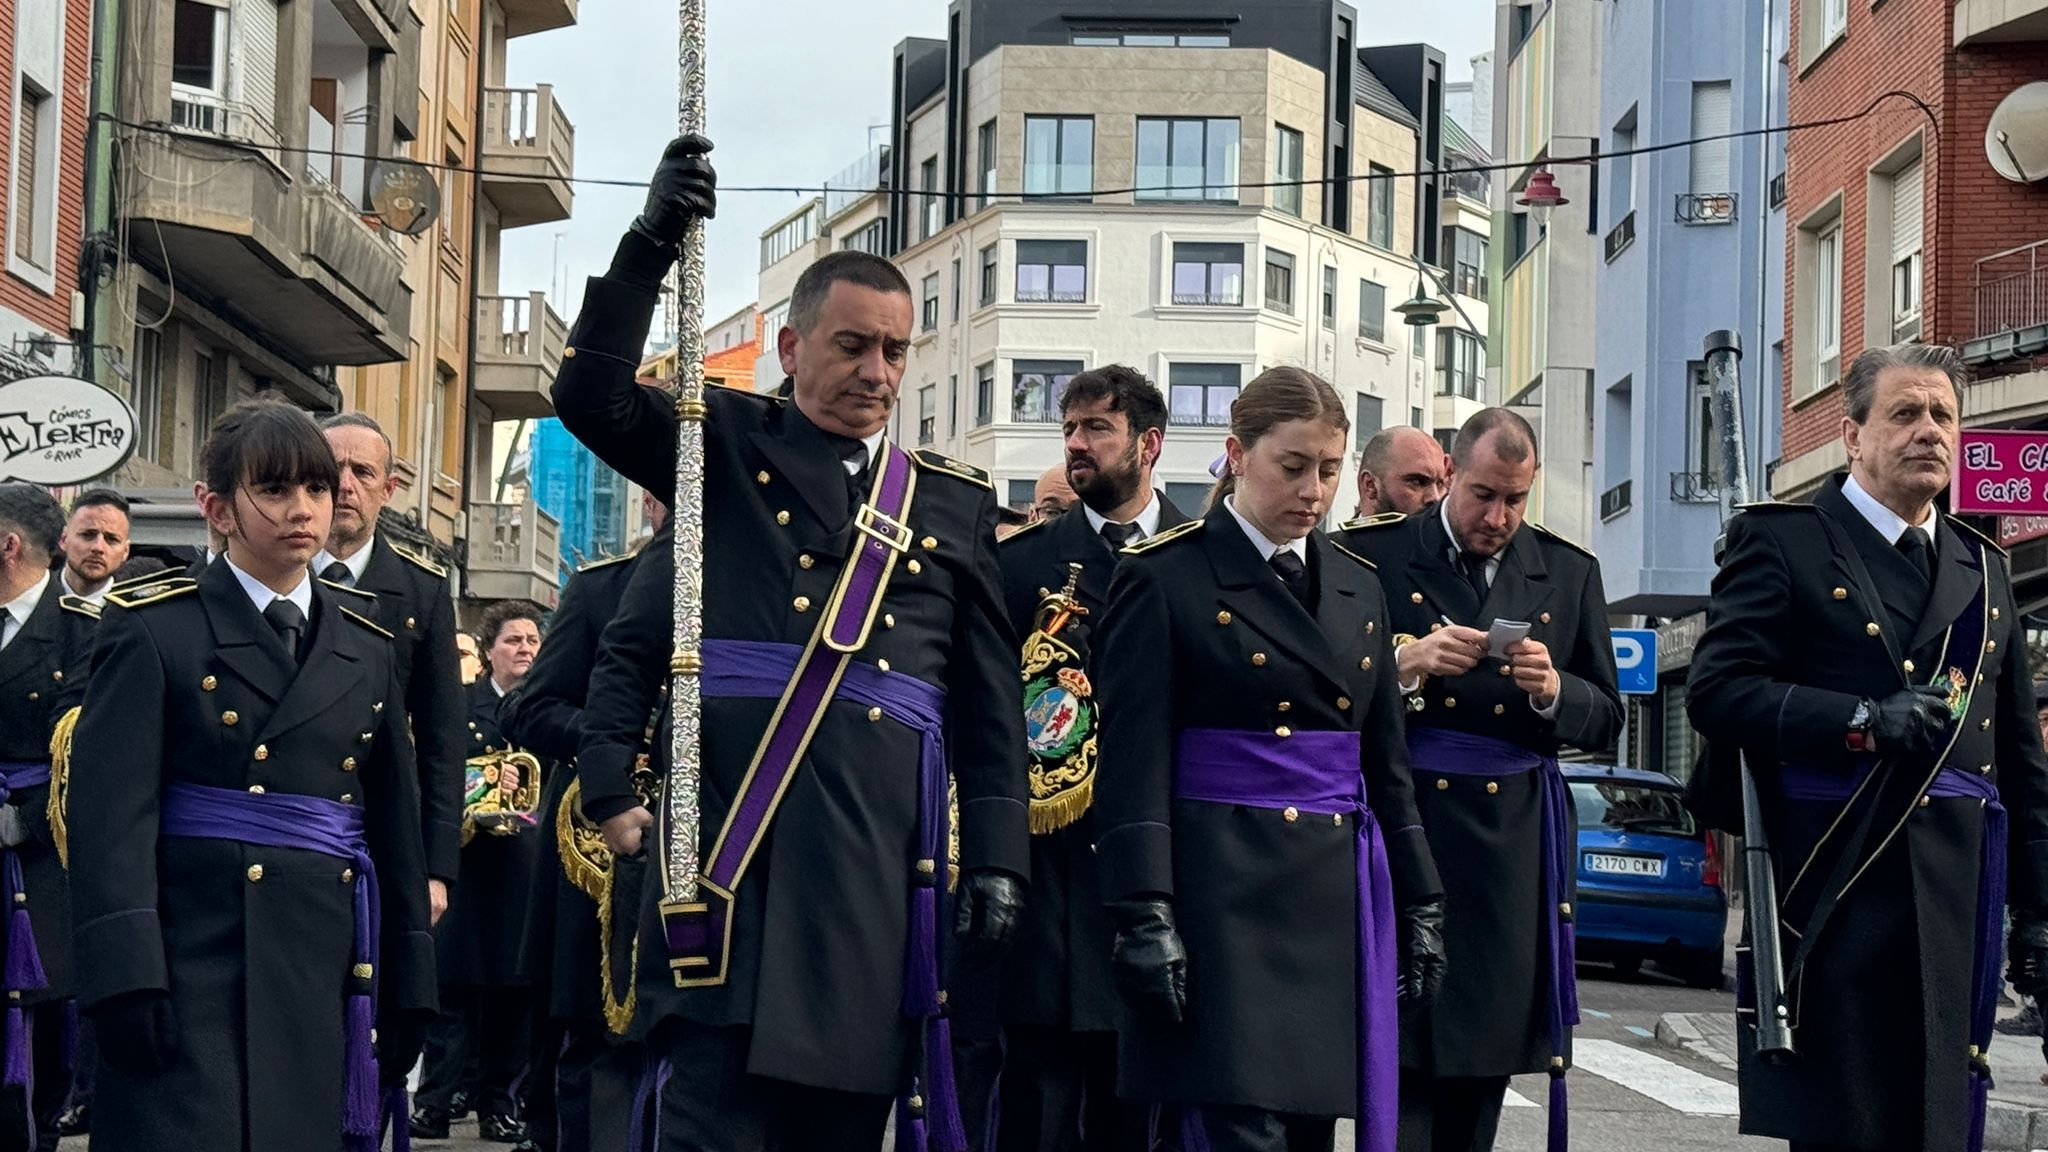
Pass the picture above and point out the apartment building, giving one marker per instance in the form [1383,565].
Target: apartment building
[1201,192]
[43,115]
[731,348]
[850,214]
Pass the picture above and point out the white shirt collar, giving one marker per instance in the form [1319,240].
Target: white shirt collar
[871,443]
[1889,524]
[493,682]
[260,594]
[356,564]
[21,606]
[99,597]
[1259,540]
[1147,520]
[1443,508]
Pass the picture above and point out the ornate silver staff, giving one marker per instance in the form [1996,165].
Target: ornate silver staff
[679,805]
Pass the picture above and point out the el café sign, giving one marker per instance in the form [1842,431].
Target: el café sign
[57,430]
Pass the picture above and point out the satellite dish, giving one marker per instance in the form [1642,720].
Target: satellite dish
[406,196]
[2016,140]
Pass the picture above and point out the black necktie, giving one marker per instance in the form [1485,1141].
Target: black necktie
[290,624]
[1475,572]
[338,573]
[1919,550]
[1117,535]
[1293,574]
[855,453]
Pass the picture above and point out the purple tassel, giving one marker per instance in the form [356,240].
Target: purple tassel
[1560,1127]
[943,1101]
[24,966]
[15,1029]
[1980,1087]
[909,1126]
[359,1091]
[1194,1135]
[921,967]
[398,1110]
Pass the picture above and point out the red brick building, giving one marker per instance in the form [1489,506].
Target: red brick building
[44,109]
[1897,226]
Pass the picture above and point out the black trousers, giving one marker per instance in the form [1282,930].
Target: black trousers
[708,1102]
[489,1025]
[579,1095]
[1797,1146]
[1229,1128]
[50,1065]
[1059,1094]
[1450,1114]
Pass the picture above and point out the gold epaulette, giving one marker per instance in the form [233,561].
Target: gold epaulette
[1024,528]
[607,561]
[1372,521]
[1776,506]
[1161,539]
[1354,556]
[365,621]
[79,604]
[939,462]
[344,589]
[1989,542]
[418,561]
[155,577]
[153,592]
[1580,549]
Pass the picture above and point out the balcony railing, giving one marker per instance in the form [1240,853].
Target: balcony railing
[1620,237]
[514,552]
[1704,208]
[1615,500]
[530,147]
[1048,296]
[212,115]
[1695,488]
[2012,289]
[1472,186]
[1209,299]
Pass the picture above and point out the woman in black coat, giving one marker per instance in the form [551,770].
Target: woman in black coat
[1258,837]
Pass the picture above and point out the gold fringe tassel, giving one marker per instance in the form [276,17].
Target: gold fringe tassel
[1062,808]
[60,777]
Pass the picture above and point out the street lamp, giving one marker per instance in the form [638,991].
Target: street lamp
[1421,310]
[1540,195]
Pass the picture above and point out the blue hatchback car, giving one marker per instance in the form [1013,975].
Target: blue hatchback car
[1649,875]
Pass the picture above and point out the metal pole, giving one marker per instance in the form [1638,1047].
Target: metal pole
[1760,880]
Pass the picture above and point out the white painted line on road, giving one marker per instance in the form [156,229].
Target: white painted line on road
[1676,1087]
[1517,1100]
[1645,1033]
[1596,1014]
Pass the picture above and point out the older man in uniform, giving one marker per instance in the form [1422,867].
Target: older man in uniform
[415,605]
[1484,729]
[45,652]
[858,584]
[1865,651]
[1059,1004]
[1401,469]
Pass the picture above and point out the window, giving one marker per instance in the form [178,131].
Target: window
[930,297]
[986,147]
[454,201]
[773,322]
[1036,387]
[1379,206]
[1202,393]
[1023,494]
[437,413]
[1834,19]
[199,47]
[1465,254]
[952,406]
[209,398]
[988,276]
[30,176]
[1614,457]
[1457,364]
[1112,39]
[1711,107]
[1286,167]
[1702,442]
[1372,311]
[1621,170]
[1208,274]
[869,239]
[1280,281]
[1827,293]
[148,391]
[783,243]
[955,314]
[984,395]
[1907,210]
[1191,497]
[927,413]
[1187,160]
[1369,420]
[928,183]
[1052,271]
[1059,156]
[1329,298]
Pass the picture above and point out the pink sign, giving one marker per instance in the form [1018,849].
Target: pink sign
[2020,529]
[2001,473]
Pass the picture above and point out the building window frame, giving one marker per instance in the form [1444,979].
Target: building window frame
[1287,169]
[1372,311]
[929,311]
[991,264]
[927,414]
[984,394]
[1061,177]
[1330,297]
[1036,385]
[928,187]
[1817,299]
[1220,288]
[1199,393]
[1464,253]
[1056,276]
[1460,363]
[1168,139]
[986,142]
[1379,207]
[1278,281]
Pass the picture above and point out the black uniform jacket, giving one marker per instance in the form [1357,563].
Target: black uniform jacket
[1200,633]
[1056,971]
[1813,611]
[415,605]
[42,673]
[544,715]
[253,944]
[819,924]
[1491,1016]
[478,941]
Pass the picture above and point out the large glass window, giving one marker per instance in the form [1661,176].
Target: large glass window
[1464,253]
[927,413]
[928,183]
[199,47]
[1187,160]
[1457,364]
[1329,298]
[988,275]
[1286,168]
[931,303]
[1208,274]
[1052,271]
[1059,156]
[1379,206]
[986,145]
[1280,281]
[1372,311]
[1036,387]
[984,395]
[1202,393]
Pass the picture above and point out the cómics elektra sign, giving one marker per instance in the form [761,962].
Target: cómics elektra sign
[62,430]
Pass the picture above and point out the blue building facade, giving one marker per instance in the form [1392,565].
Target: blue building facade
[586,496]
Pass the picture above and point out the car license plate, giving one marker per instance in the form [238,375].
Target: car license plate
[1625,865]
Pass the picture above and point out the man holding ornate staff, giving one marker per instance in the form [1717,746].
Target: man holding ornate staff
[854,650]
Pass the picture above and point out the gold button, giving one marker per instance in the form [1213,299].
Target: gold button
[1290,814]
[1507,669]
[1437,627]
[256,789]
[479,737]
[1985,770]
[801,604]
[761,477]
[1285,706]
[411,621]
[348,875]
[928,543]
[262,752]
[568,353]
[255,872]
[804,561]
[58,675]
[1498,709]
[348,764]
[347,797]
[1991,645]
[1365,665]
[1283,731]
[35,695]
[1923,801]
[1343,703]
[1840,593]
[1223,617]
[1415,597]
[1450,701]
[208,684]
[914,567]
[882,664]
[377,707]
[888,619]
[1908,666]
[231,718]
[1994,613]
[874,714]
[1492,787]
[1258,659]
[1545,617]
[1442,785]
[782,517]
[1870,629]
[1337,818]
[1368,627]
[1984,724]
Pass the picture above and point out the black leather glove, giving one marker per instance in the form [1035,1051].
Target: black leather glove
[1423,959]
[1150,962]
[1912,720]
[990,904]
[137,1031]
[684,188]
[2027,953]
[400,1039]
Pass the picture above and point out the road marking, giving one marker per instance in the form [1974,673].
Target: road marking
[1517,1100]
[1676,1087]
[1645,1033]
[1596,1014]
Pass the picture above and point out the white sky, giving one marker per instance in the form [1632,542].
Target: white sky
[794,87]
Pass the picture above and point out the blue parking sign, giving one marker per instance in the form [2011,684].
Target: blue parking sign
[1635,661]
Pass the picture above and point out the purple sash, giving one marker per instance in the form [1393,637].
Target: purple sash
[310,824]
[1451,753]
[23,971]
[760,670]
[1318,772]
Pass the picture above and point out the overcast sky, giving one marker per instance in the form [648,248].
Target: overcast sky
[794,87]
